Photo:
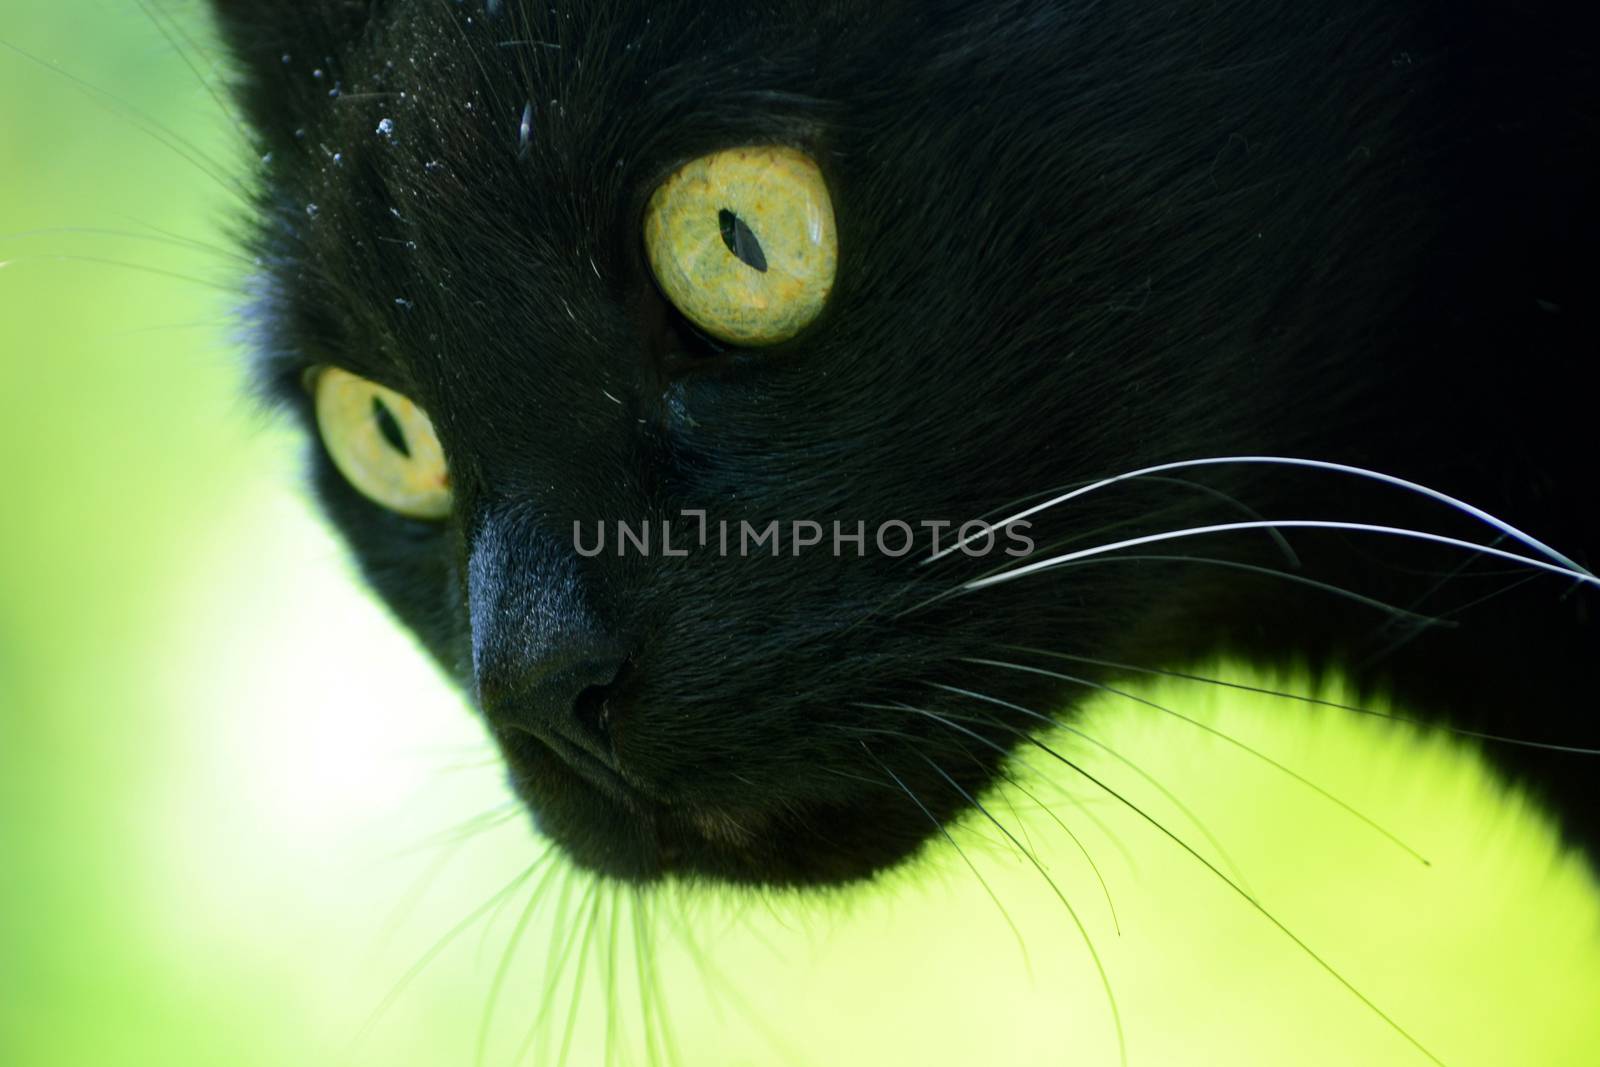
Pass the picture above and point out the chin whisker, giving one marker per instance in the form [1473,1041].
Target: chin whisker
[439,946]
[454,836]
[1255,904]
[608,976]
[715,982]
[658,1041]
[1105,889]
[590,922]
[1009,778]
[944,832]
[503,969]
[1301,698]
[1083,931]
[1025,850]
[895,784]
[555,973]
[1233,884]
[1080,810]
[1208,728]
[1171,797]
[556,969]
[415,893]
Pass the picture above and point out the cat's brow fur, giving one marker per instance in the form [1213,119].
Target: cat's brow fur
[1075,239]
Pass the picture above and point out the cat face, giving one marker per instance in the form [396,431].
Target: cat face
[1034,277]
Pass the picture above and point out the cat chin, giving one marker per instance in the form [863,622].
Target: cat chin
[622,835]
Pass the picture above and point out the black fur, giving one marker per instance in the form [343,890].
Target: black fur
[1077,238]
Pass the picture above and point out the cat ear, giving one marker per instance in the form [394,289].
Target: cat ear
[278,48]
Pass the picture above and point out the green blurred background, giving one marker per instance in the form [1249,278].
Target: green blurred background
[234,801]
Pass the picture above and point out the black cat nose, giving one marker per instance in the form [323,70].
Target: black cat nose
[564,698]
[544,662]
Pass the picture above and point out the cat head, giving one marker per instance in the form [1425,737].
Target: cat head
[469,220]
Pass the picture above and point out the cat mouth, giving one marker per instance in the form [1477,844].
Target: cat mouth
[541,764]
[593,771]
[608,824]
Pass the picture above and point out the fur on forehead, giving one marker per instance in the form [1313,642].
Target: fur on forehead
[542,136]
[535,138]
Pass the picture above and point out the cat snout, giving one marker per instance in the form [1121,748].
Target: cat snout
[545,665]
[564,700]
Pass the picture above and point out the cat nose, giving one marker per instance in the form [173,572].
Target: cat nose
[543,661]
[563,699]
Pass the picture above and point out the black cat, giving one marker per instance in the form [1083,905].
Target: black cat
[862,269]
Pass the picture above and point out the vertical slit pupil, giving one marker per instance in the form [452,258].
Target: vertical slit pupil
[389,426]
[741,241]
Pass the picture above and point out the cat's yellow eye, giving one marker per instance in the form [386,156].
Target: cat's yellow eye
[382,443]
[743,243]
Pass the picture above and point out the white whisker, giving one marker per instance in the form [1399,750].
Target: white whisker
[1574,571]
[1312,464]
[1416,618]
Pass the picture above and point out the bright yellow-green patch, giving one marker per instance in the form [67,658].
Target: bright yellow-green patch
[231,789]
